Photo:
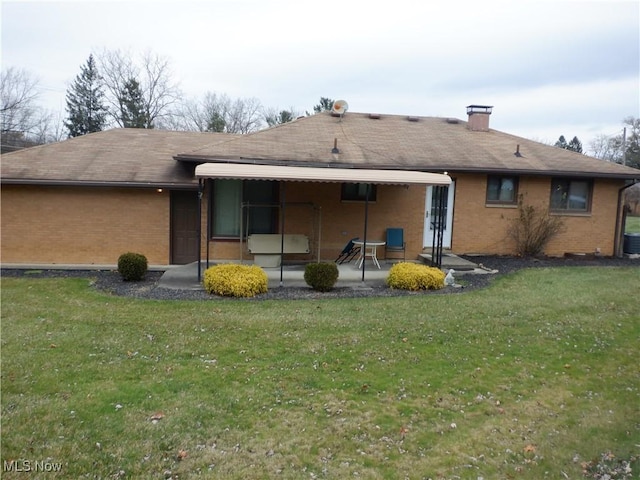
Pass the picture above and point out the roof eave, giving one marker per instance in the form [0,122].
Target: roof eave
[544,173]
[76,183]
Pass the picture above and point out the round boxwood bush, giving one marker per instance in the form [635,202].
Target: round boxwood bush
[413,276]
[321,276]
[234,280]
[132,266]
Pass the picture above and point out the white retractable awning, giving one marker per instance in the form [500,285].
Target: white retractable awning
[315,174]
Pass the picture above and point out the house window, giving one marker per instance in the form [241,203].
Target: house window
[502,190]
[259,214]
[570,195]
[357,192]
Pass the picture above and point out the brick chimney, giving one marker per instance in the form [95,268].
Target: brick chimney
[478,117]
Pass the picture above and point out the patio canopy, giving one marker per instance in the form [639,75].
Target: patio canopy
[251,171]
[315,174]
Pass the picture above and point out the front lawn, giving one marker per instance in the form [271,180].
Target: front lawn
[632,225]
[534,377]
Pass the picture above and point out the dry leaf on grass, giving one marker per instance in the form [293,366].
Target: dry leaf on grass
[156,416]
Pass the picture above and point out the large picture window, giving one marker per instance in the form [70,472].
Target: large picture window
[357,192]
[569,195]
[259,214]
[502,190]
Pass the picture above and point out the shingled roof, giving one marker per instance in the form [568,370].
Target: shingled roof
[399,142]
[125,156]
[138,157]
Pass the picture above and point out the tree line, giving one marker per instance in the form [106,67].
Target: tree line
[114,89]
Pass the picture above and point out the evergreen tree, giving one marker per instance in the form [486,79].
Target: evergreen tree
[283,116]
[216,123]
[131,101]
[575,145]
[85,102]
[562,142]
[324,105]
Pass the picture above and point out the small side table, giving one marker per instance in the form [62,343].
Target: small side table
[368,250]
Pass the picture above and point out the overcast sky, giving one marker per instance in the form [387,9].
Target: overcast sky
[548,67]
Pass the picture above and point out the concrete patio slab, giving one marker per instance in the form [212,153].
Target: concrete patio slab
[186,276]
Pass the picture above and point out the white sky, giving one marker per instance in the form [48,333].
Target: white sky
[548,67]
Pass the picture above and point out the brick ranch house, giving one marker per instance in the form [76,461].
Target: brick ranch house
[89,199]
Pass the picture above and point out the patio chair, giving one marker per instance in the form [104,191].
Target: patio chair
[395,242]
[349,251]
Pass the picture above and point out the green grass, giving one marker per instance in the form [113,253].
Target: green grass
[632,225]
[526,379]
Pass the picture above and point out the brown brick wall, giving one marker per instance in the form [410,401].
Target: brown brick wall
[83,225]
[314,209]
[479,228]
[395,206]
[96,225]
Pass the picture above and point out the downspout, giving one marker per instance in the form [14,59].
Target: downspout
[618,233]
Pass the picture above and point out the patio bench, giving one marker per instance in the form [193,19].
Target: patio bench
[266,247]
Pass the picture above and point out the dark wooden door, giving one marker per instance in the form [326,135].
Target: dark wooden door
[184,227]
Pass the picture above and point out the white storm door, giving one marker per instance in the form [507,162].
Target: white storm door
[430,218]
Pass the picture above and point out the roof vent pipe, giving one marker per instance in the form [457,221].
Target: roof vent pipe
[479,117]
[335,146]
[517,152]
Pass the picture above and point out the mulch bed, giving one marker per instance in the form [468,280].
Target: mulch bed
[110,281]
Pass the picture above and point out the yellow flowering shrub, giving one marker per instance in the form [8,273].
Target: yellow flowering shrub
[234,280]
[413,276]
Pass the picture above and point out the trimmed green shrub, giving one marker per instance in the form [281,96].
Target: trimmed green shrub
[132,266]
[234,280]
[413,276]
[321,276]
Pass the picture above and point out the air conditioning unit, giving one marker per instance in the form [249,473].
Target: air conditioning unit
[631,243]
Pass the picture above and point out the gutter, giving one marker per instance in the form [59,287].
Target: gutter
[617,248]
[426,168]
[74,183]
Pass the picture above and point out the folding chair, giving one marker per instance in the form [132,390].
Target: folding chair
[348,252]
[395,242]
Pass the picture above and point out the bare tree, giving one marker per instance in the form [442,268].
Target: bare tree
[623,147]
[243,115]
[158,90]
[23,123]
[632,199]
[217,113]
[275,116]
[54,128]
[18,94]
[607,148]
[204,115]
